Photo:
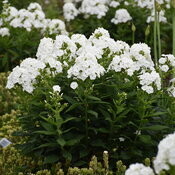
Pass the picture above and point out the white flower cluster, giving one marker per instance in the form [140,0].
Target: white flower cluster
[84,58]
[162,17]
[4,31]
[56,88]
[74,85]
[32,17]
[73,8]
[70,11]
[114,4]
[164,160]
[166,154]
[166,62]
[171,89]
[139,169]
[121,16]
[149,80]
[94,7]
[150,3]
[25,74]
[87,8]
[138,60]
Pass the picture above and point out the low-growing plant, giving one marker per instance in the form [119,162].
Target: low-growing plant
[8,99]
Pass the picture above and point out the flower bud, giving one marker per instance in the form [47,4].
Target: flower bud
[133,27]
[158,7]
[147,31]
[173,3]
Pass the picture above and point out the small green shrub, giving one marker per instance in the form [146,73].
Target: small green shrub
[8,99]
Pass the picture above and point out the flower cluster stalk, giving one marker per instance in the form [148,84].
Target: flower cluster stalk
[158,36]
[157,40]
[155,34]
[173,5]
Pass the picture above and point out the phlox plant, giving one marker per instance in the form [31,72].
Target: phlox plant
[119,17]
[21,30]
[82,96]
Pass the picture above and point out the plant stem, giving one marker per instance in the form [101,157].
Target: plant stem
[158,36]
[86,120]
[133,37]
[173,31]
[155,34]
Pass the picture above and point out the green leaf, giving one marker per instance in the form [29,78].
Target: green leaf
[72,142]
[45,132]
[69,119]
[50,120]
[158,114]
[73,106]
[61,141]
[83,153]
[47,145]
[155,128]
[67,130]
[103,130]
[67,155]
[93,113]
[51,159]
[47,126]
[146,139]
[105,113]
[69,99]
[93,98]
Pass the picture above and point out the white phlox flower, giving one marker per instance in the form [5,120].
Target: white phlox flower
[166,154]
[70,11]
[4,31]
[139,169]
[121,16]
[25,74]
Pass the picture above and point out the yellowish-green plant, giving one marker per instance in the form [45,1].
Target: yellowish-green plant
[8,125]
[8,99]
[11,161]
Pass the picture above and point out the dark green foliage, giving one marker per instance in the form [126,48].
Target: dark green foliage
[20,45]
[112,115]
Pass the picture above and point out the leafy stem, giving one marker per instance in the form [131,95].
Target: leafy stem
[155,33]
[173,4]
[86,119]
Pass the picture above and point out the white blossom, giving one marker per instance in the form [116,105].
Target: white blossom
[162,17]
[33,17]
[25,74]
[70,11]
[114,4]
[74,85]
[139,169]
[121,16]
[166,154]
[86,66]
[94,7]
[56,88]
[4,32]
